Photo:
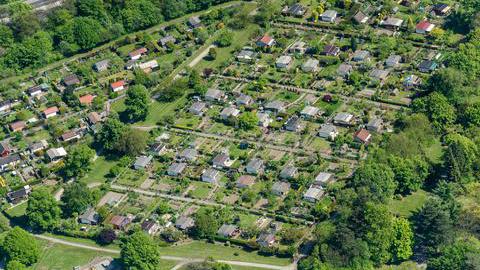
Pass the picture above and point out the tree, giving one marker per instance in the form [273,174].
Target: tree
[79,161]
[212,53]
[132,142]
[432,224]
[33,51]
[15,265]
[248,120]
[76,198]
[93,9]
[173,91]
[173,8]
[437,107]
[140,252]
[471,115]
[43,212]
[24,24]
[111,131]
[455,256]
[6,36]
[375,180]
[402,244]
[225,38]
[378,231]
[106,236]
[18,245]
[410,173]
[447,81]
[461,157]
[136,103]
[139,14]
[206,224]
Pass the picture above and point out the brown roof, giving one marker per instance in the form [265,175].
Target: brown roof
[87,99]
[246,180]
[94,117]
[68,135]
[19,125]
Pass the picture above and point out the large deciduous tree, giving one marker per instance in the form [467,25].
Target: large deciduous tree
[137,103]
[79,161]
[43,212]
[18,245]
[76,198]
[140,252]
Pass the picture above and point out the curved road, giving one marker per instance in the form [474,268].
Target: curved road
[182,260]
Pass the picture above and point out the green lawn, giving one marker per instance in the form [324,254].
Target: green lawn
[100,169]
[61,257]
[18,210]
[199,249]
[408,204]
[201,190]
[241,38]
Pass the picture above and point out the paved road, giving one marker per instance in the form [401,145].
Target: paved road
[183,260]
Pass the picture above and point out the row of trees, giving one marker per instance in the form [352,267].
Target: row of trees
[80,25]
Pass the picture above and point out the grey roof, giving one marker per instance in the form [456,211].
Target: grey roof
[229,111]
[379,74]
[220,159]
[9,159]
[36,146]
[197,107]
[313,193]
[344,69]
[244,99]
[246,54]
[360,17]
[284,60]
[189,154]
[375,123]
[329,13]
[276,105]
[310,64]
[310,111]
[211,173]
[142,161]
[392,22]
[343,117]
[194,21]
[281,187]
[393,60]
[326,130]
[176,168]
[227,230]
[184,223]
[102,65]
[89,216]
[293,123]
[288,172]
[296,9]
[361,55]
[255,164]
[214,94]
[165,40]
[323,178]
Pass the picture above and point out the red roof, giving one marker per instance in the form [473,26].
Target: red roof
[138,52]
[87,99]
[50,110]
[363,135]
[117,84]
[266,39]
[423,25]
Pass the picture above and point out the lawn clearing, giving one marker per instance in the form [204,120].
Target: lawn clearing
[408,204]
[200,249]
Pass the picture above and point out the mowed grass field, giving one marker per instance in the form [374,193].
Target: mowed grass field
[200,249]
